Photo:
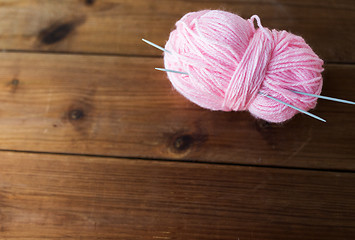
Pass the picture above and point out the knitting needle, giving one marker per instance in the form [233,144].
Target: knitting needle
[155,45]
[298,109]
[324,97]
[169,70]
[162,49]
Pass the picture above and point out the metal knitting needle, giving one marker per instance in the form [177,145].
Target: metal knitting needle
[296,108]
[155,45]
[163,49]
[169,70]
[324,97]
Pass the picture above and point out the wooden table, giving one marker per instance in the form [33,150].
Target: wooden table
[95,144]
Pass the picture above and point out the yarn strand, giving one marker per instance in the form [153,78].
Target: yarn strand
[229,63]
[224,62]
[289,105]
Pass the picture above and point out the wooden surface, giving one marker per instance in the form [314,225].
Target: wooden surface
[73,197]
[125,108]
[95,144]
[117,26]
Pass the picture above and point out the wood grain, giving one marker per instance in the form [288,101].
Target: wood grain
[121,106]
[117,26]
[132,159]
[72,197]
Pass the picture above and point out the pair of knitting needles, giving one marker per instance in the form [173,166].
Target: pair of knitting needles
[275,99]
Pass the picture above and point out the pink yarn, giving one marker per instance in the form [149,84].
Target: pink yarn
[230,63]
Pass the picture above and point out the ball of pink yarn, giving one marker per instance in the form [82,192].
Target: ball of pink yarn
[231,64]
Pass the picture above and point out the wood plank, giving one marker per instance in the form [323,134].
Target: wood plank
[72,197]
[121,106]
[117,26]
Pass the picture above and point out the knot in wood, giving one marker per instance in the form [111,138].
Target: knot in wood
[183,142]
[15,82]
[89,2]
[76,114]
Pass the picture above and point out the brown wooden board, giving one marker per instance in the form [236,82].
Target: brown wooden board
[121,106]
[71,197]
[116,27]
